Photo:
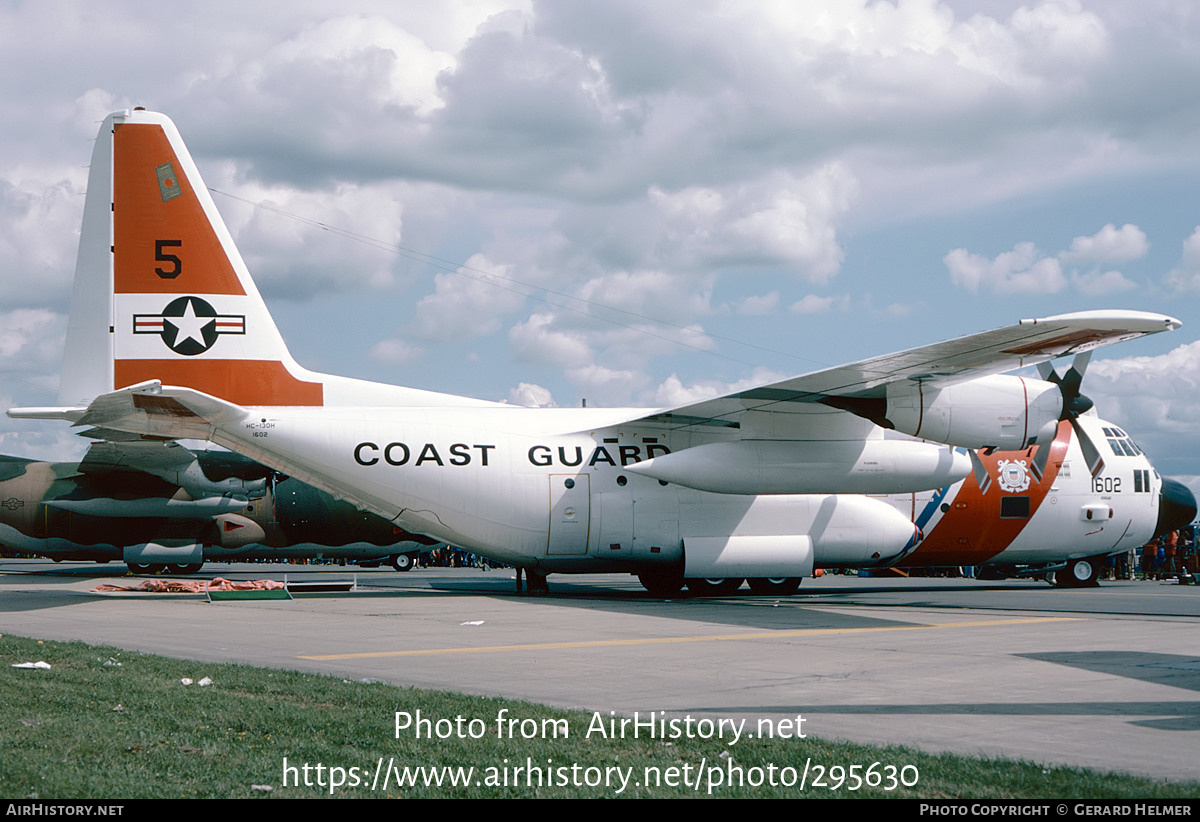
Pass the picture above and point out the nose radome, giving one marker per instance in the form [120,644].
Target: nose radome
[1176,507]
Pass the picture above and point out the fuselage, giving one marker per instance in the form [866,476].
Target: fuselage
[553,489]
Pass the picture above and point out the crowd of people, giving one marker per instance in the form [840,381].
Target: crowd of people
[1170,556]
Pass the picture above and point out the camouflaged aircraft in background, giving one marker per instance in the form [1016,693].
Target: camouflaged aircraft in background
[158,506]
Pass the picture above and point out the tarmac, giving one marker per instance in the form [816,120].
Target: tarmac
[1104,678]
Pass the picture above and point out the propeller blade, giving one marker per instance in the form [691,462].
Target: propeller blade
[1074,377]
[982,478]
[1091,454]
[1044,439]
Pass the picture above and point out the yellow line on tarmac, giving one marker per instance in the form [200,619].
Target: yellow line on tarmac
[612,643]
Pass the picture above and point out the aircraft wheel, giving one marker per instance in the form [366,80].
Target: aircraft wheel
[140,569]
[403,562]
[1079,573]
[191,568]
[775,586]
[714,587]
[662,583]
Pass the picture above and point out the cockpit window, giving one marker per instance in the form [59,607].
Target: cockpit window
[1120,443]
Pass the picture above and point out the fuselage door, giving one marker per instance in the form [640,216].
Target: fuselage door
[570,514]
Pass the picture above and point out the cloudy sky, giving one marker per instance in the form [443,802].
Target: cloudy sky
[631,202]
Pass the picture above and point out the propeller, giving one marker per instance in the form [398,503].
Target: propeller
[1074,403]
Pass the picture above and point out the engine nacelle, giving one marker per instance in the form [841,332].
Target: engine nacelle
[998,411]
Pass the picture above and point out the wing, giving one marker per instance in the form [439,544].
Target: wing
[856,385]
[794,437]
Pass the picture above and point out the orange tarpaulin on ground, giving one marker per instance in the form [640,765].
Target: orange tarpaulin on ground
[197,586]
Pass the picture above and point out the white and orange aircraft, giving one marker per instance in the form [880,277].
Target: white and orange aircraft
[931,456]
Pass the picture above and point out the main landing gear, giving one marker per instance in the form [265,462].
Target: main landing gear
[1079,573]
[535,583]
[670,583]
[775,586]
[156,568]
[714,587]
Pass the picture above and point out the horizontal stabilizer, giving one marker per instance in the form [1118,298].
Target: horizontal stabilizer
[149,409]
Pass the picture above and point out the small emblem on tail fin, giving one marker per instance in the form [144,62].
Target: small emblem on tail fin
[168,183]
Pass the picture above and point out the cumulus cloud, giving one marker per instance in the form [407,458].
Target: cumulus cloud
[672,391]
[1024,270]
[349,235]
[469,302]
[604,386]
[537,340]
[39,235]
[1153,398]
[757,305]
[395,352]
[30,339]
[1020,271]
[814,304]
[1098,283]
[781,220]
[1107,246]
[531,396]
[1186,276]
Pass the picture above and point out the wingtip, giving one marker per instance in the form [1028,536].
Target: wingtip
[1143,321]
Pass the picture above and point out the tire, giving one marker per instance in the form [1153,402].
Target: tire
[662,583]
[190,568]
[403,562]
[714,587]
[137,568]
[775,586]
[1079,573]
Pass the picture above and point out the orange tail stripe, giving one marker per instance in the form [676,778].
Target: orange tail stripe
[243,382]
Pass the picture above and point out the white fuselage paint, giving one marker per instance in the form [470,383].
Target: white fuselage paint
[495,482]
[504,483]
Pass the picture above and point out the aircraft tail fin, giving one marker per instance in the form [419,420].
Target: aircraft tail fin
[182,308]
[162,293]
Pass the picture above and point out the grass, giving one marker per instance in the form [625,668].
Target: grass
[109,724]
